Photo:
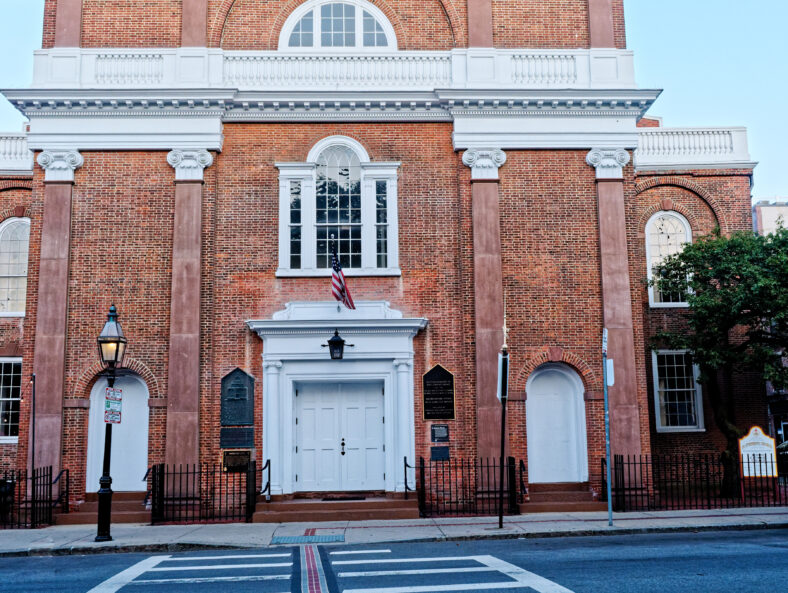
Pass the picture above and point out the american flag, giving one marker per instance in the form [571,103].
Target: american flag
[338,286]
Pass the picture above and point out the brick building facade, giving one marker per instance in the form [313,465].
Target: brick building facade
[467,158]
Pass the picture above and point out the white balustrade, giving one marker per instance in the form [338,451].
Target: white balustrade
[544,69]
[129,69]
[14,153]
[693,147]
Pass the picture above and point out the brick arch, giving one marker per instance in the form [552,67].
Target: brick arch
[217,27]
[91,374]
[694,187]
[15,212]
[547,354]
[668,205]
[6,184]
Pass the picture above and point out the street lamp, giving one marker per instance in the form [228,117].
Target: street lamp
[336,346]
[112,349]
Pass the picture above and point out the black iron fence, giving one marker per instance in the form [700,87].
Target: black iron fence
[466,487]
[202,493]
[699,481]
[27,501]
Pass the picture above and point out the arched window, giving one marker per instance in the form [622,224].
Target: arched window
[351,24]
[14,244]
[666,235]
[338,200]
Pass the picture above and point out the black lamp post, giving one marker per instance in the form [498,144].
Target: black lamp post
[112,349]
[336,346]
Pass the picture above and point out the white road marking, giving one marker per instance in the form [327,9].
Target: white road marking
[522,578]
[273,577]
[221,566]
[386,573]
[348,552]
[123,578]
[404,560]
[233,556]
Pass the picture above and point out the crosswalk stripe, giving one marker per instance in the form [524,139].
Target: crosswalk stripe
[403,560]
[221,566]
[419,571]
[229,556]
[273,577]
[124,577]
[349,552]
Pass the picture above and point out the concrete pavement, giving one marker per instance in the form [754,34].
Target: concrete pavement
[78,539]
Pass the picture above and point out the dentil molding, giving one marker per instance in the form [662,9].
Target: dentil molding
[60,165]
[484,163]
[189,165]
[609,164]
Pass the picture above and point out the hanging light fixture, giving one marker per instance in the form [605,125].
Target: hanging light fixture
[336,346]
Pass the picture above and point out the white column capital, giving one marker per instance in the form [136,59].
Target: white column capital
[402,364]
[484,162]
[60,165]
[272,366]
[609,163]
[189,165]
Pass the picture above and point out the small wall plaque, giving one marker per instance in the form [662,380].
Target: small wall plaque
[439,453]
[236,438]
[438,384]
[237,399]
[236,462]
[439,433]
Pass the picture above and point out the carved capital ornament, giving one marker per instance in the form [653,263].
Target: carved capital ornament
[609,164]
[484,163]
[60,165]
[189,165]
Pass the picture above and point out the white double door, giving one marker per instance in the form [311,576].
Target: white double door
[339,437]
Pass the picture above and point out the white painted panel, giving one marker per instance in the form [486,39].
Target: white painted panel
[555,423]
[129,460]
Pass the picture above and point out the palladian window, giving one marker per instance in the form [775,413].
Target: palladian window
[666,235]
[339,201]
[351,24]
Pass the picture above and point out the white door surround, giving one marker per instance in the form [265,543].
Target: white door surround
[129,460]
[293,355]
[556,426]
[339,437]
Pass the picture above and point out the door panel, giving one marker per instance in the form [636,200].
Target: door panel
[317,463]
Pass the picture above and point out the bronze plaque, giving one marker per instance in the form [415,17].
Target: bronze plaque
[236,462]
[237,399]
[438,384]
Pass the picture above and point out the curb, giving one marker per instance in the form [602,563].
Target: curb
[190,547]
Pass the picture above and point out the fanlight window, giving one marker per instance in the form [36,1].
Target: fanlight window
[14,244]
[666,235]
[322,24]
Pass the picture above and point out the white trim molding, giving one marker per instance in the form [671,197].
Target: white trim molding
[698,401]
[653,303]
[60,165]
[484,163]
[293,355]
[609,164]
[189,165]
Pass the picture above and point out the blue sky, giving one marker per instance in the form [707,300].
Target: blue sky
[721,63]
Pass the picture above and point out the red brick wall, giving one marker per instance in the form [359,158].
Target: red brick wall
[707,200]
[48,37]
[131,23]
[256,24]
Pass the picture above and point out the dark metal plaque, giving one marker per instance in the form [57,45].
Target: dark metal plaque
[236,438]
[438,386]
[439,433]
[439,453]
[237,399]
[236,462]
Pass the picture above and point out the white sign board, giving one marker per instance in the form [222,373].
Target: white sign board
[611,373]
[113,403]
[758,455]
[604,341]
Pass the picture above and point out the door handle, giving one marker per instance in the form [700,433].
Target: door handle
[343,446]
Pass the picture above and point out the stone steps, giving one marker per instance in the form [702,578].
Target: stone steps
[318,511]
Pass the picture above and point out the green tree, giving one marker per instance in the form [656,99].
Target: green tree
[737,290]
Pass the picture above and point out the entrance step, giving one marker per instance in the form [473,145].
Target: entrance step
[127,507]
[562,507]
[317,511]
[561,498]
[559,487]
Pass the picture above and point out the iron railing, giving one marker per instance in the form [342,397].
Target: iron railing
[26,500]
[202,493]
[266,471]
[465,487]
[698,481]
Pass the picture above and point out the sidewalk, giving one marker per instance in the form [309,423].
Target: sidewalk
[78,539]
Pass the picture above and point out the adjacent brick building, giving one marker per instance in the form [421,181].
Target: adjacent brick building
[469,161]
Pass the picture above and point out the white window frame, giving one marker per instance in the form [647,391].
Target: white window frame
[700,426]
[306,174]
[13,440]
[314,6]
[651,301]
[3,225]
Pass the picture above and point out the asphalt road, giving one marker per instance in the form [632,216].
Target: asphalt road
[713,562]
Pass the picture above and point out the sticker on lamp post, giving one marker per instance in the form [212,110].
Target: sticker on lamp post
[113,403]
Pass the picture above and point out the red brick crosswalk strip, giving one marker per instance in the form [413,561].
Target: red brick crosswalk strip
[313,578]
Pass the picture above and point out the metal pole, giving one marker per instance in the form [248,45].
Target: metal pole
[504,398]
[105,491]
[607,436]
[33,422]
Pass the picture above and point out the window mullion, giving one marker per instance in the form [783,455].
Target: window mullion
[393,223]
[368,229]
[308,221]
